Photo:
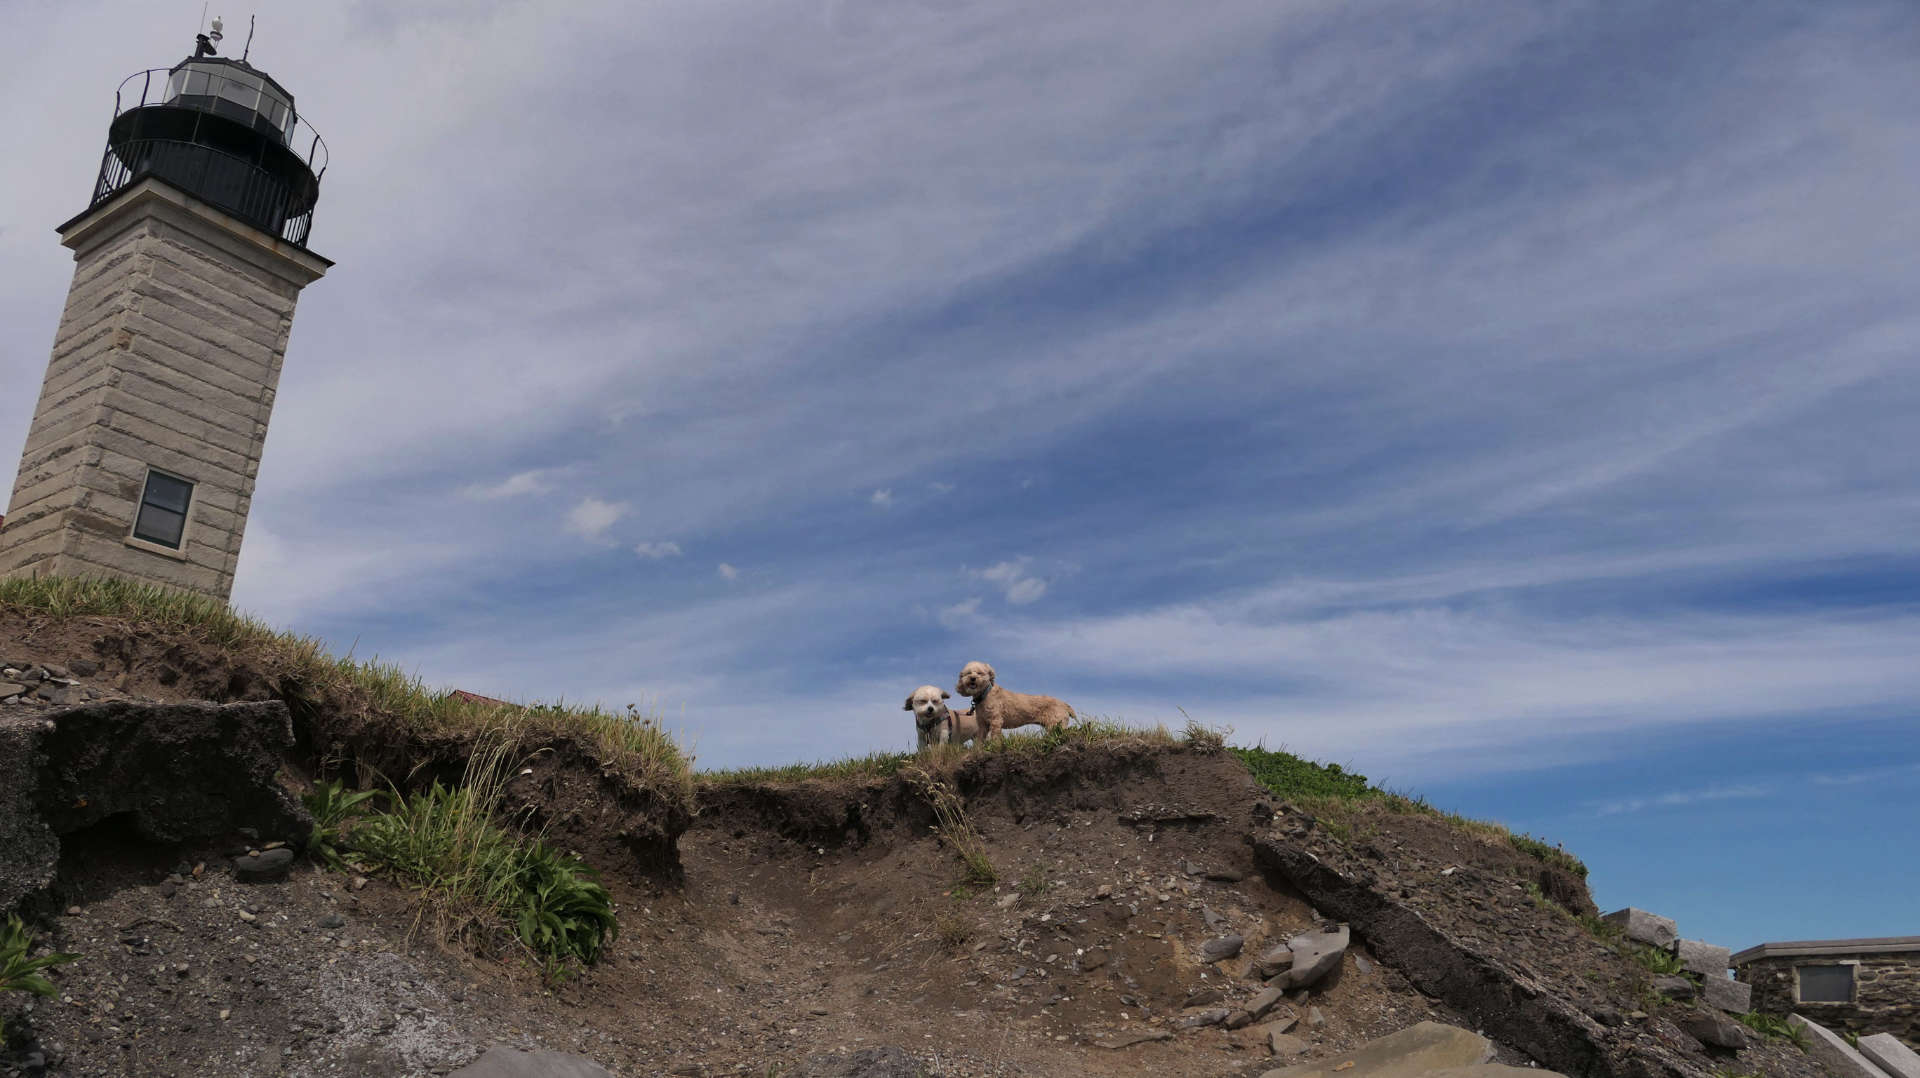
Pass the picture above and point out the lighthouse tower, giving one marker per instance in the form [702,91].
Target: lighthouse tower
[141,459]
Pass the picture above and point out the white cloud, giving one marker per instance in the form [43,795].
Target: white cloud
[1013,579]
[1685,797]
[534,481]
[883,497]
[727,572]
[592,517]
[656,551]
[960,614]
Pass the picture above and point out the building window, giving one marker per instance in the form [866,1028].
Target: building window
[1823,984]
[163,510]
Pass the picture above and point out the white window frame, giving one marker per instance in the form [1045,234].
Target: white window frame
[186,516]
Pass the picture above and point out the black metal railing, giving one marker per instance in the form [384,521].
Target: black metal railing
[267,175]
[225,180]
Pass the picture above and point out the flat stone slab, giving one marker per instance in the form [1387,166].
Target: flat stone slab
[1645,927]
[1893,1057]
[503,1062]
[1316,954]
[1839,1057]
[1128,1040]
[1734,997]
[1705,959]
[1410,1053]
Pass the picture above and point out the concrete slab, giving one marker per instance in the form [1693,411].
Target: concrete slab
[1410,1053]
[1644,927]
[1705,959]
[1734,997]
[1892,1056]
[1839,1057]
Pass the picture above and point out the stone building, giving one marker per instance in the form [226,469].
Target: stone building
[1860,985]
[141,458]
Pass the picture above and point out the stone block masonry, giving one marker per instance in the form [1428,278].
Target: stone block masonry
[1884,995]
[1706,964]
[167,359]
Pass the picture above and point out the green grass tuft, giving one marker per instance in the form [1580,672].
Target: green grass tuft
[1291,776]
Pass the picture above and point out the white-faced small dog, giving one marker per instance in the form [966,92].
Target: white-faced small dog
[999,710]
[937,723]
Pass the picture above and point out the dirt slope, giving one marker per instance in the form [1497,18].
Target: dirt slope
[813,918]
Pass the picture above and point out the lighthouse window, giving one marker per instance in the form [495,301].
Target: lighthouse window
[163,510]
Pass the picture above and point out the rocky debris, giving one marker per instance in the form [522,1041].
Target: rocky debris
[1284,1044]
[1643,927]
[1674,986]
[1272,962]
[1316,954]
[1128,1040]
[1492,1070]
[1410,1053]
[1710,1027]
[1841,1059]
[1221,948]
[263,866]
[1890,1055]
[887,1062]
[503,1062]
[1156,815]
[175,772]
[1195,1019]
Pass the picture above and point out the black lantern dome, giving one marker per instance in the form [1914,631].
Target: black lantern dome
[224,132]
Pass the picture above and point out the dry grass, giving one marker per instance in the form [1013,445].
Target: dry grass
[944,759]
[954,827]
[637,743]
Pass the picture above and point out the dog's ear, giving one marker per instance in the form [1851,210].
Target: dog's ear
[909,706]
[945,695]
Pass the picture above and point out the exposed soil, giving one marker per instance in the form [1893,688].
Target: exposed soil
[809,918]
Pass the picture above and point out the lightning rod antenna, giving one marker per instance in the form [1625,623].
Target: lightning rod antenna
[203,18]
[249,46]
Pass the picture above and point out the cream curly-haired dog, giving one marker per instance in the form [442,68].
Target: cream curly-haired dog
[939,724]
[999,709]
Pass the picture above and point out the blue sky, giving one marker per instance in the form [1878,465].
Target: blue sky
[1512,401]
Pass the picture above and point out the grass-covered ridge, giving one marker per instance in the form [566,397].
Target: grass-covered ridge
[942,758]
[1329,789]
[635,742]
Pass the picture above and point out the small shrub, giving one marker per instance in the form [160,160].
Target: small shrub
[1034,883]
[1204,738]
[1552,855]
[952,931]
[18,973]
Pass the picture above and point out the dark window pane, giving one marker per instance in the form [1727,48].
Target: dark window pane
[157,525]
[167,492]
[1826,984]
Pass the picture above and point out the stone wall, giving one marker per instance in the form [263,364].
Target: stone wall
[167,357]
[1886,992]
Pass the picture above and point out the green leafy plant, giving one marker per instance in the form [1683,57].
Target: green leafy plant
[1773,1027]
[333,806]
[1552,855]
[562,911]
[1657,959]
[19,973]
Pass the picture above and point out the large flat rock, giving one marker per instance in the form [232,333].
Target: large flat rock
[1644,927]
[1840,1058]
[1734,997]
[1410,1053]
[1492,1070]
[503,1062]
[1316,954]
[1892,1056]
[1706,959]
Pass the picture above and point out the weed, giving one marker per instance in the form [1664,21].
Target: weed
[1203,738]
[18,973]
[1657,959]
[332,806]
[1600,928]
[1034,883]
[952,931]
[954,826]
[1292,777]
[1774,1028]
